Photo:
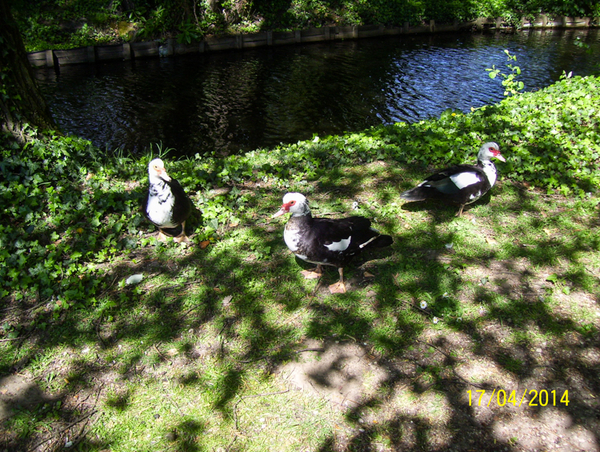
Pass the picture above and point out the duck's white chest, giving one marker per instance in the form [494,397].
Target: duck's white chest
[160,210]
[291,235]
[490,172]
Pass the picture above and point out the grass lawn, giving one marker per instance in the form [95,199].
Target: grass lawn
[477,332]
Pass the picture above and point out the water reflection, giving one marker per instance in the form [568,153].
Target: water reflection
[237,101]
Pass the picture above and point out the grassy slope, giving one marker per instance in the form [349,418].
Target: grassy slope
[193,357]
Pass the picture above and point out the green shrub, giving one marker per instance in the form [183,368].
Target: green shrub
[51,24]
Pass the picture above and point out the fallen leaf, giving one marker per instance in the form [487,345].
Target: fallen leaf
[204,244]
[369,275]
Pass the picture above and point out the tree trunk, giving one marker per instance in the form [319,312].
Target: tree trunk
[21,103]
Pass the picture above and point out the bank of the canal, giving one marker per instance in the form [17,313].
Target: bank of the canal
[170,47]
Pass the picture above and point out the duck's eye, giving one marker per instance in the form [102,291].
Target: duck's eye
[292,203]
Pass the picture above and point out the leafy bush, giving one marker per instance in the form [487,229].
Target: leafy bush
[51,24]
[53,216]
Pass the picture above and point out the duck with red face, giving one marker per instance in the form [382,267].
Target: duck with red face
[460,184]
[325,241]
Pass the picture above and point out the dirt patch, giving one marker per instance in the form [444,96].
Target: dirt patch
[17,392]
[472,411]
[341,372]
[477,388]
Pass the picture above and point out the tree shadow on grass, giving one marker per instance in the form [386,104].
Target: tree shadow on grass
[213,322]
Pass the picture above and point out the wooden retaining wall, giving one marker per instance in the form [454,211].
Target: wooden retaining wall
[133,50]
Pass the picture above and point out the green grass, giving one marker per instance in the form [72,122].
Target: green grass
[194,356]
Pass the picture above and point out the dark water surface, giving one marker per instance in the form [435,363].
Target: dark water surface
[238,101]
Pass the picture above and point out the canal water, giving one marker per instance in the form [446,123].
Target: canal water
[236,101]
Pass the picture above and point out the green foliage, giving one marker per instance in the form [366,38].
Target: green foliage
[555,146]
[68,210]
[59,24]
[185,347]
[512,87]
[580,8]
[48,239]
[188,32]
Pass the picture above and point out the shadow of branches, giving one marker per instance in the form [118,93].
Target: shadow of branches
[501,300]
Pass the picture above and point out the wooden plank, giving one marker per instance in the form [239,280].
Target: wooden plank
[573,22]
[184,49]
[443,28]
[91,51]
[345,32]
[256,40]
[392,31]
[106,53]
[554,22]
[369,31]
[221,43]
[72,56]
[50,60]
[37,59]
[127,51]
[283,38]
[144,49]
[312,35]
[540,21]
[418,29]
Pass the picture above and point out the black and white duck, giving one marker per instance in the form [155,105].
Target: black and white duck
[325,241]
[167,205]
[460,184]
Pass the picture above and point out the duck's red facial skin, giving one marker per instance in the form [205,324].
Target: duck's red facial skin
[285,208]
[497,154]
